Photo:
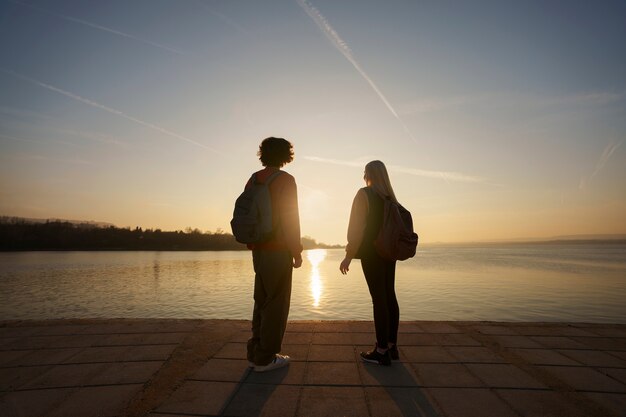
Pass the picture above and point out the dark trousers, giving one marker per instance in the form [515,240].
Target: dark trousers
[381,277]
[272,296]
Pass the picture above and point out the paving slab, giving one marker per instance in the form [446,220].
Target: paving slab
[231,370]
[433,354]
[543,357]
[12,357]
[398,375]
[332,338]
[493,329]
[233,351]
[558,342]
[264,400]
[46,357]
[474,354]
[95,401]
[399,401]
[297,338]
[445,375]
[509,341]
[456,339]
[32,403]
[289,375]
[618,374]
[199,397]
[470,402]
[332,401]
[602,343]
[11,379]
[331,353]
[616,403]
[161,367]
[296,352]
[126,373]
[417,339]
[332,373]
[594,358]
[504,376]
[586,379]
[438,327]
[536,403]
[60,376]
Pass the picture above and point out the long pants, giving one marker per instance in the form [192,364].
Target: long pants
[381,276]
[272,296]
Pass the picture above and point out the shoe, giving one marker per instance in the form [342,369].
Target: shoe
[393,352]
[374,357]
[251,364]
[278,362]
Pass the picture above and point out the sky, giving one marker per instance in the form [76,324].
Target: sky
[496,119]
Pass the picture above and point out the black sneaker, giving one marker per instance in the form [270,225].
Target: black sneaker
[393,352]
[374,357]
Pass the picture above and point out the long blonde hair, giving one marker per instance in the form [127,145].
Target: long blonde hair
[376,174]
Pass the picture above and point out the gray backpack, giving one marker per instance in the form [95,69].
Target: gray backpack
[252,217]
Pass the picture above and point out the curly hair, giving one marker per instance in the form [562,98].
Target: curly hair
[275,152]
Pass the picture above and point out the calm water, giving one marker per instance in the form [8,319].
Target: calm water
[549,283]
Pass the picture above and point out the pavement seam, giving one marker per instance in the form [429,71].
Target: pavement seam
[196,349]
[368,402]
[304,376]
[234,393]
[553,383]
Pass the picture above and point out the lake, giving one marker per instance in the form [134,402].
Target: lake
[574,282]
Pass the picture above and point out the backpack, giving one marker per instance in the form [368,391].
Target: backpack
[252,216]
[396,240]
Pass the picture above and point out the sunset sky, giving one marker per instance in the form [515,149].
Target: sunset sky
[496,119]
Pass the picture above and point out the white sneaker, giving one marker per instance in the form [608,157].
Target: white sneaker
[278,362]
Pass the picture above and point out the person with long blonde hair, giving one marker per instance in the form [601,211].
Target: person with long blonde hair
[366,218]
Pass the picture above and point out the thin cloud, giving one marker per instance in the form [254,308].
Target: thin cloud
[223,18]
[36,157]
[94,136]
[47,141]
[103,28]
[442,175]
[513,99]
[602,161]
[345,50]
[107,109]
[15,112]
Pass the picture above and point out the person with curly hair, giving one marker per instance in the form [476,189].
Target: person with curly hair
[275,258]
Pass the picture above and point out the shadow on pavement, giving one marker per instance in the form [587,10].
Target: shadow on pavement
[253,392]
[402,388]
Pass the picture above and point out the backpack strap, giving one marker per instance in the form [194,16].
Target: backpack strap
[269,179]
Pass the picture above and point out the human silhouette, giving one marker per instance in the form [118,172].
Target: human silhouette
[366,219]
[274,259]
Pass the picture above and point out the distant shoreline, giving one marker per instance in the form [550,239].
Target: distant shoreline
[569,242]
[603,242]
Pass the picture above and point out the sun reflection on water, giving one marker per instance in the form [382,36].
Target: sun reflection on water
[316,256]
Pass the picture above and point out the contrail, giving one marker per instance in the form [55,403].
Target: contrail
[604,158]
[222,17]
[444,175]
[343,47]
[108,109]
[95,26]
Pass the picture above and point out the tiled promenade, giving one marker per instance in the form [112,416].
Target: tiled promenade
[197,368]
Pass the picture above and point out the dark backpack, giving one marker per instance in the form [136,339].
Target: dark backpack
[252,217]
[396,240]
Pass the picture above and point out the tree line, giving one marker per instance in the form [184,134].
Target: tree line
[18,234]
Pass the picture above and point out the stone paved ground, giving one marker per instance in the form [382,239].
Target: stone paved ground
[162,368]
